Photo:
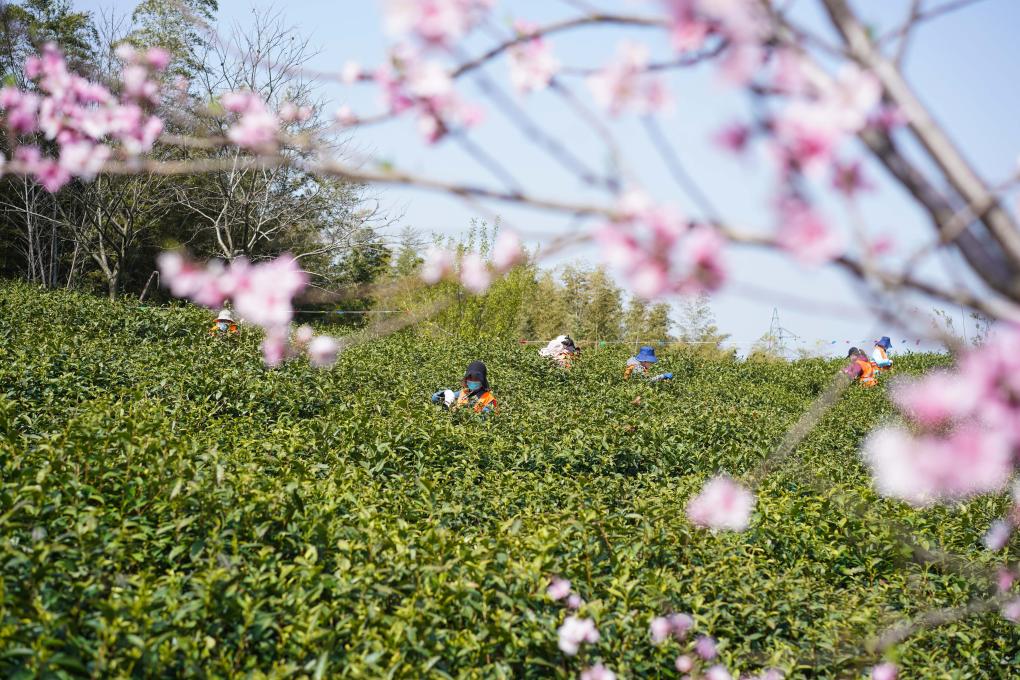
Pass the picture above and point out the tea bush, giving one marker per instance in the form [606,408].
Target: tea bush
[170,507]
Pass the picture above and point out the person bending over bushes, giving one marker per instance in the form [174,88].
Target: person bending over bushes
[642,363]
[474,394]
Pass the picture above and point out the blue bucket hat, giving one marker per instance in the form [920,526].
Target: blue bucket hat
[885,342]
[647,353]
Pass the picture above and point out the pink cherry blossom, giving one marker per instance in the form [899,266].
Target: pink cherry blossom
[998,535]
[684,663]
[624,84]
[705,647]
[598,672]
[1011,611]
[1004,579]
[848,179]
[718,672]
[928,468]
[733,137]
[474,273]
[345,116]
[885,671]
[507,251]
[257,127]
[322,351]
[303,335]
[275,347]
[532,64]
[680,624]
[351,72]
[435,22]
[20,110]
[722,504]
[157,58]
[659,629]
[688,29]
[574,601]
[438,264]
[83,159]
[803,233]
[292,113]
[558,589]
[574,632]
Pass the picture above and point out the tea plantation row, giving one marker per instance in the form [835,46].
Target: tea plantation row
[170,507]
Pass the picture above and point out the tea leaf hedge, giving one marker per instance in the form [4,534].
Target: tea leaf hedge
[168,506]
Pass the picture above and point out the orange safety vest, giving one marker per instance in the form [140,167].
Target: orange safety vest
[867,377]
[483,400]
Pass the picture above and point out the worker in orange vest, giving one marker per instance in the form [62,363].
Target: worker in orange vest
[860,368]
[474,394]
[224,324]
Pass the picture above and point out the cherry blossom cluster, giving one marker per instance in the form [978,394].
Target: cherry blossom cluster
[261,293]
[412,82]
[965,433]
[722,505]
[576,631]
[699,654]
[658,252]
[438,23]
[474,273]
[532,63]
[625,84]
[81,118]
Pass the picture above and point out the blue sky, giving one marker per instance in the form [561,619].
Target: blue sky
[961,65]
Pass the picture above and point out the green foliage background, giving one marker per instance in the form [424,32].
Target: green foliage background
[170,507]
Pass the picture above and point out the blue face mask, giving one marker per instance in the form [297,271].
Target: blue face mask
[474,385]
[223,325]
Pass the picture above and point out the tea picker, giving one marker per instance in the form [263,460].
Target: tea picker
[474,393]
[860,369]
[641,364]
[880,355]
[562,350]
[224,324]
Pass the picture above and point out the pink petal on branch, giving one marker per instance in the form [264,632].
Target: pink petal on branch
[574,601]
[1004,579]
[722,504]
[598,672]
[927,468]
[659,629]
[885,671]
[157,58]
[939,397]
[275,346]
[474,273]
[438,265]
[803,233]
[733,137]
[998,535]
[848,179]
[558,589]
[705,647]
[532,64]
[684,663]
[574,632]
[680,625]
[351,72]
[507,251]
[84,159]
[718,672]
[322,351]
[1011,611]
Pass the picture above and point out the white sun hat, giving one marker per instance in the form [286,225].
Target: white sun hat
[225,315]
